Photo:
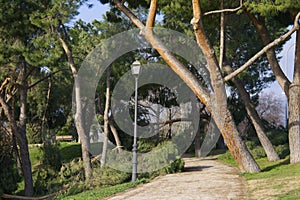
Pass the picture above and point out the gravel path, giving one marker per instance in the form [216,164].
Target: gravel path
[203,179]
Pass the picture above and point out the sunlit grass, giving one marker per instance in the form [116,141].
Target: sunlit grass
[277,180]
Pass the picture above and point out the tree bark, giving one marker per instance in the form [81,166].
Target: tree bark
[106,119]
[220,112]
[294,108]
[83,136]
[23,144]
[255,119]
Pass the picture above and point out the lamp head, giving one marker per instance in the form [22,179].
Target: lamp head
[136,68]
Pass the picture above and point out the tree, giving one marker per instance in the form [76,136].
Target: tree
[18,60]
[216,76]
[252,113]
[271,108]
[227,127]
[260,14]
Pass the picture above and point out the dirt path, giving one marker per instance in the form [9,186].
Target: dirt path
[203,179]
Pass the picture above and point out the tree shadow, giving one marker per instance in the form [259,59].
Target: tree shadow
[195,168]
[286,161]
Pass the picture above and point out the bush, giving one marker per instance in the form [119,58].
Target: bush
[258,152]
[51,156]
[278,136]
[9,176]
[282,150]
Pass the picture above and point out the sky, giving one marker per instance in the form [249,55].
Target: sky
[89,14]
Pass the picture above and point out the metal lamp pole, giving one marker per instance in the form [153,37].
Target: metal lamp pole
[135,69]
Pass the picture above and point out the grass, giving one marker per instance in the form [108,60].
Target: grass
[103,192]
[278,180]
[69,151]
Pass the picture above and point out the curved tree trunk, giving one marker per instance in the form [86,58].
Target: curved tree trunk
[106,119]
[263,33]
[22,142]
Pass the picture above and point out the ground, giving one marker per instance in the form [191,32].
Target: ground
[204,178]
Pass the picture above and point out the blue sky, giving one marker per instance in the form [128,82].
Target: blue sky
[96,12]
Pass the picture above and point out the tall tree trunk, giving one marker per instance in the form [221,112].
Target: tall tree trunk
[251,111]
[79,121]
[220,112]
[106,119]
[294,108]
[23,144]
[20,133]
[256,121]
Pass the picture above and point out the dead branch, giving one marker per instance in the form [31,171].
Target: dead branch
[225,10]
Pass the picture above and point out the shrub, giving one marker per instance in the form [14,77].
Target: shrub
[51,156]
[278,136]
[9,176]
[258,152]
[282,150]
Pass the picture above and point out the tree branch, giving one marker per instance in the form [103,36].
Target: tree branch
[69,56]
[152,14]
[5,82]
[46,77]
[265,49]
[225,10]
[169,58]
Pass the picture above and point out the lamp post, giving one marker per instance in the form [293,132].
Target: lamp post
[135,70]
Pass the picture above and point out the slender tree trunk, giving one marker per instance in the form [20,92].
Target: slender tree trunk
[106,119]
[19,131]
[294,108]
[23,144]
[256,121]
[46,106]
[79,122]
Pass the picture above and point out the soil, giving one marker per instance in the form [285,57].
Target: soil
[203,178]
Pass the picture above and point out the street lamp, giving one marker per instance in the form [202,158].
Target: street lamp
[135,70]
